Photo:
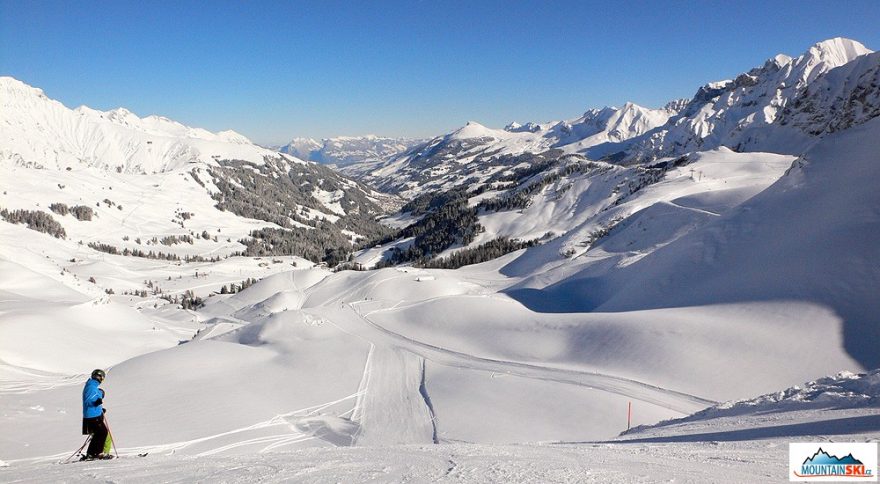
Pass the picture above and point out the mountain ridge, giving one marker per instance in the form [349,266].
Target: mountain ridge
[116,139]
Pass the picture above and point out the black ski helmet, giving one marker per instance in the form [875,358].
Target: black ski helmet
[98,374]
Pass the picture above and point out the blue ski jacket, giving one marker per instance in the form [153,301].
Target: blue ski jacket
[91,395]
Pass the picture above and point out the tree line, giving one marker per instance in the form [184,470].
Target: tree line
[35,220]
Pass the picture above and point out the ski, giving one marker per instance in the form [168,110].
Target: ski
[112,457]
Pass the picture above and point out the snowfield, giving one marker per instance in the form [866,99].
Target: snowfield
[742,441]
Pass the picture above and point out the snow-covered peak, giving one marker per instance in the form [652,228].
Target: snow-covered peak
[779,60]
[824,56]
[233,137]
[632,120]
[611,124]
[301,148]
[838,50]
[843,97]
[13,88]
[122,116]
[474,129]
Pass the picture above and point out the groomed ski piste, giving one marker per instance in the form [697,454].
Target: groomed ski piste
[743,441]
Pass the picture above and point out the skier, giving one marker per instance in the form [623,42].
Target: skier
[93,417]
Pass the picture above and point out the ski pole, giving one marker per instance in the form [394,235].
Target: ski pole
[112,439]
[77,451]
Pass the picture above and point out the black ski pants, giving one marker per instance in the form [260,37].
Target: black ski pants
[96,427]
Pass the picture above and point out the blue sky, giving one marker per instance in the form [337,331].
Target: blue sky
[275,70]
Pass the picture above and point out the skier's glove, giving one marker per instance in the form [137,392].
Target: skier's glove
[99,401]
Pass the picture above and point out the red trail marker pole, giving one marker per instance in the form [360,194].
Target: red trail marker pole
[629,412]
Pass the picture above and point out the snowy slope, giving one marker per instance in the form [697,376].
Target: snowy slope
[41,132]
[846,403]
[567,203]
[807,239]
[579,205]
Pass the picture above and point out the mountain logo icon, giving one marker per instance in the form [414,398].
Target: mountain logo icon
[822,457]
[814,462]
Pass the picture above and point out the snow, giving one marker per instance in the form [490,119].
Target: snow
[713,181]
[733,462]
[800,214]
[474,129]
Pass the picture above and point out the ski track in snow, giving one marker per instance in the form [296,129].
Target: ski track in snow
[268,443]
[393,410]
[671,399]
[693,209]
[34,380]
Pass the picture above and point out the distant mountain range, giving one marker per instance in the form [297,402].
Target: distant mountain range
[343,151]
[475,150]
[782,107]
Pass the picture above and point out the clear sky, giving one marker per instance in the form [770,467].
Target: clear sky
[280,69]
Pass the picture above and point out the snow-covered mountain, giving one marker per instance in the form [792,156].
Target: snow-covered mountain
[745,113]
[844,97]
[41,132]
[343,151]
[475,150]
[301,148]
[304,207]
